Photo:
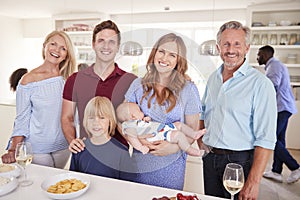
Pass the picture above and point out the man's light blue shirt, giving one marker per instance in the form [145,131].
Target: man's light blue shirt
[240,113]
[278,73]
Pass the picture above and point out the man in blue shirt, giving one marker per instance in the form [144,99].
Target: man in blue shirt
[239,114]
[278,73]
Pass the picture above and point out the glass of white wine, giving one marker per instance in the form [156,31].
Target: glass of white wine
[233,178]
[24,157]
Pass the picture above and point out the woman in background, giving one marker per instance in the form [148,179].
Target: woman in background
[39,102]
[15,77]
[14,80]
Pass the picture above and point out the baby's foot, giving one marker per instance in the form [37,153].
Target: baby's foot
[199,133]
[193,151]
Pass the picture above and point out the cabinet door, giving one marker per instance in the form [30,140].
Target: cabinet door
[279,28]
[80,31]
[7,117]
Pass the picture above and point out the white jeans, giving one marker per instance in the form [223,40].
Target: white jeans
[57,159]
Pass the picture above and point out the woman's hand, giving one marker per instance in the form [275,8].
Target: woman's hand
[77,145]
[163,148]
[9,157]
[158,148]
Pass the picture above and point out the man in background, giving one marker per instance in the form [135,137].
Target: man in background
[278,73]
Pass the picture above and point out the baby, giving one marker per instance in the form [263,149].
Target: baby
[129,114]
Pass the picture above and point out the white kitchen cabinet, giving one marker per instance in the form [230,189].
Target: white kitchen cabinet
[288,53]
[279,27]
[293,131]
[80,29]
[7,117]
[194,175]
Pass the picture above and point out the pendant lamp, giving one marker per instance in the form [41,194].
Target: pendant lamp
[131,48]
[208,47]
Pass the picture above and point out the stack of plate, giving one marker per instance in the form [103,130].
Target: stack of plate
[8,180]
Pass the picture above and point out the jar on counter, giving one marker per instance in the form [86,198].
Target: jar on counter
[273,39]
[293,39]
[255,39]
[284,39]
[264,39]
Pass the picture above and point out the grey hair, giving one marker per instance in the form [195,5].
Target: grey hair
[234,25]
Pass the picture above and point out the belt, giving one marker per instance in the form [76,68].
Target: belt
[227,151]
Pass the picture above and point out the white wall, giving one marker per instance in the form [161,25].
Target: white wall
[191,16]
[21,46]
[11,51]
[21,40]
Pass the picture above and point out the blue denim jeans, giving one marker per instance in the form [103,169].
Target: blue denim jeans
[281,154]
[214,166]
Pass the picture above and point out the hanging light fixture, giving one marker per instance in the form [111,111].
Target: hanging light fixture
[209,47]
[131,48]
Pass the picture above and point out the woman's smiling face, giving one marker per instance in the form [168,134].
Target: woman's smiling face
[166,56]
[56,49]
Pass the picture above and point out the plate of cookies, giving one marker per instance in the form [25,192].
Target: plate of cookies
[65,186]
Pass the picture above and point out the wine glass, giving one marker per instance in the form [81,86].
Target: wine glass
[233,178]
[24,157]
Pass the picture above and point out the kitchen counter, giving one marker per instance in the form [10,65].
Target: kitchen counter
[100,188]
[7,102]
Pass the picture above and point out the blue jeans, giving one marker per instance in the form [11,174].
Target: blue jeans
[214,166]
[281,154]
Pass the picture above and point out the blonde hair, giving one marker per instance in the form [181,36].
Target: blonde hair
[67,66]
[177,79]
[100,106]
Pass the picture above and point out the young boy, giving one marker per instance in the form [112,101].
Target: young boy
[103,154]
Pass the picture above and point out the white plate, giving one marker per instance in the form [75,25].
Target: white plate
[55,179]
[10,186]
[15,170]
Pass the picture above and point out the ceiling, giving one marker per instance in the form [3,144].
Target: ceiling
[47,8]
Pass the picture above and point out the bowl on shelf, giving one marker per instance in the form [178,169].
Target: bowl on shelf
[285,23]
[256,24]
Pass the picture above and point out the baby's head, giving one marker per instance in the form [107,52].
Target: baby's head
[129,111]
[100,107]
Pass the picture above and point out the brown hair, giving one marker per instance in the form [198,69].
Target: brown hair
[67,66]
[15,78]
[106,25]
[100,106]
[177,79]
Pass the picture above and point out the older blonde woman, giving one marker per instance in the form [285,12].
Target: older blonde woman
[39,102]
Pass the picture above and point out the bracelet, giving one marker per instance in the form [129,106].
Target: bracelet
[11,150]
